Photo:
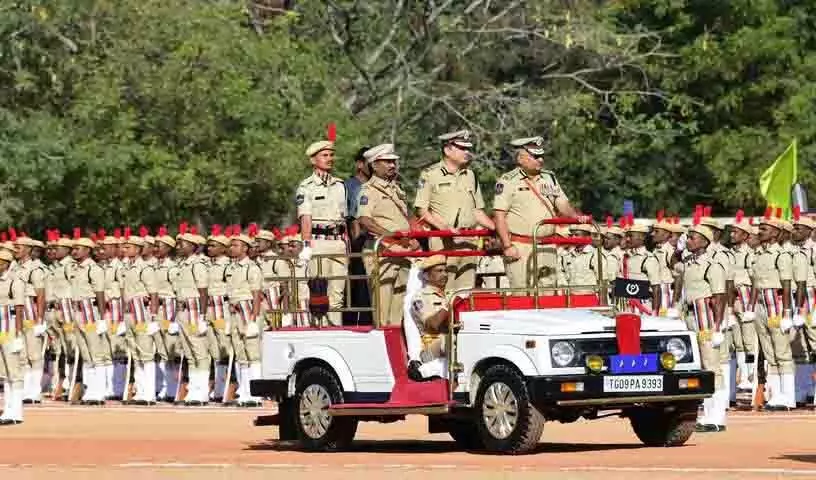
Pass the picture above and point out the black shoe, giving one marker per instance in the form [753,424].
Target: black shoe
[193,403]
[95,403]
[413,371]
[140,403]
[778,408]
[709,428]
[28,401]
[10,422]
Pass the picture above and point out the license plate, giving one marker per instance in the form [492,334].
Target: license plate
[633,383]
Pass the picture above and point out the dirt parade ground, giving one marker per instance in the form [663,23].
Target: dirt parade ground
[67,442]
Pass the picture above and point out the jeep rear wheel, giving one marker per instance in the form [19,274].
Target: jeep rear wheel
[657,427]
[506,420]
[316,390]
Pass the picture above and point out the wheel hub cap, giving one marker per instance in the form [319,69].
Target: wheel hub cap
[314,411]
[500,410]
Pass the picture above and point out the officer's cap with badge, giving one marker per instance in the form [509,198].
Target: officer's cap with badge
[703,230]
[384,151]
[318,147]
[533,145]
[433,261]
[459,138]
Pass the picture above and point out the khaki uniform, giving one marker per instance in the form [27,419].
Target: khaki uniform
[384,202]
[428,303]
[744,334]
[33,273]
[87,278]
[614,260]
[282,268]
[12,364]
[664,254]
[455,197]
[167,273]
[528,201]
[771,267]
[193,274]
[324,200]
[218,310]
[582,268]
[115,311]
[641,264]
[244,277]
[138,280]
[58,310]
[804,338]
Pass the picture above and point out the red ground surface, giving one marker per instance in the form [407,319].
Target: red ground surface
[220,443]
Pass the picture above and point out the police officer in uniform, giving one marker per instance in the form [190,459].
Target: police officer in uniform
[218,312]
[244,284]
[771,312]
[114,357]
[584,261]
[59,310]
[430,316]
[804,275]
[321,209]
[140,293]
[524,197]
[167,273]
[195,335]
[12,342]
[704,281]
[33,273]
[449,198]
[743,333]
[90,329]
[382,211]
[664,252]
[638,263]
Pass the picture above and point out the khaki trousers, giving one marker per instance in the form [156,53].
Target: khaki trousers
[12,365]
[461,270]
[55,332]
[710,358]
[247,350]
[33,349]
[775,344]
[218,339]
[390,286]
[745,337]
[520,272]
[143,347]
[336,266]
[191,342]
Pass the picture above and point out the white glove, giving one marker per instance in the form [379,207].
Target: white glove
[201,328]
[121,329]
[748,316]
[717,338]
[17,345]
[681,242]
[173,328]
[785,323]
[798,320]
[304,256]
[39,330]
[730,318]
[153,327]
[101,327]
[673,313]
[252,330]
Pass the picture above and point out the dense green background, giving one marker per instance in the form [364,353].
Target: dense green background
[147,111]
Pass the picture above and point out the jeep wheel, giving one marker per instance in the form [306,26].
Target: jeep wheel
[316,390]
[656,427]
[506,420]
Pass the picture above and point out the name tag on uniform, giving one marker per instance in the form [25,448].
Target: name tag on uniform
[445,184]
[320,198]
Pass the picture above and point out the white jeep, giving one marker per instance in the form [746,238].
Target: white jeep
[514,362]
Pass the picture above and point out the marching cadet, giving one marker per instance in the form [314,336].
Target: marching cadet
[116,352]
[244,284]
[218,311]
[704,281]
[773,271]
[804,338]
[382,211]
[138,281]
[638,263]
[12,343]
[191,285]
[59,308]
[664,252]
[148,251]
[267,241]
[33,274]
[321,210]
[167,273]
[430,316]
[744,332]
[449,198]
[585,261]
[524,197]
[53,319]
[612,238]
[296,314]
[87,281]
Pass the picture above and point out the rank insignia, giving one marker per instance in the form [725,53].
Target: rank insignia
[364,200]
[499,188]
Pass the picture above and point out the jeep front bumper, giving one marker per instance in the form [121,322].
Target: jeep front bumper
[589,389]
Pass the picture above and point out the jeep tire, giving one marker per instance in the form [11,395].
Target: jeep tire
[316,390]
[658,427]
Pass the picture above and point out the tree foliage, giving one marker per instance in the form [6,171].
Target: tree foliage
[145,111]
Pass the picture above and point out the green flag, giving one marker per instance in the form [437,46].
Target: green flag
[776,182]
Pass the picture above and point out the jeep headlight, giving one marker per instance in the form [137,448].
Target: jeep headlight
[563,353]
[677,347]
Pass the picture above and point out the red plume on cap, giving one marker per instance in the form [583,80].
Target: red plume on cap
[77,233]
[331,132]
[193,230]
[182,228]
[127,232]
[143,231]
[609,221]
[778,212]
[750,220]
[660,215]
[162,231]
[93,236]
[797,212]
[228,231]
[117,233]
[698,214]
[13,234]
[3,237]
[768,212]
[215,230]
[277,233]
[740,215]
[707,211]
[101,233]
[253,229]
